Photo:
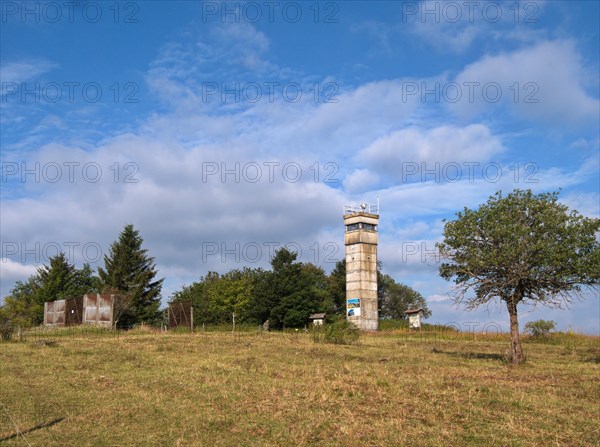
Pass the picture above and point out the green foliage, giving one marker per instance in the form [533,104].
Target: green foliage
[58,280]
[24,306]
[61,280]
[540,328]
[198,294]
[520,248]
[336,289]
[395,299]
[297,290]
[6,326]
[340,332]
[130,270]
[286,296]
[230,295]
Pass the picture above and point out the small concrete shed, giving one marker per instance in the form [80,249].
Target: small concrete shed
[317,319]
[414,318]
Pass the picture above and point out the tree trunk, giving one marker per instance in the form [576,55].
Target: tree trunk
[516,353]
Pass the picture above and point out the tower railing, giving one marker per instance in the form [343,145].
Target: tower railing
[362,208]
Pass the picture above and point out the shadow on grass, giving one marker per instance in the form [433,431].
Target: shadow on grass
[29,430]
[470,355]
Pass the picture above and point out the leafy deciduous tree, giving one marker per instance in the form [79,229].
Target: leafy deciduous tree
[520,248]
[540,328]
[396,298]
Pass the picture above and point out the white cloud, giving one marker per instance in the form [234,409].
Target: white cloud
[393,153]
[438,298]
[360,180]
[457,26]
[11,271]
[545,82]
[587,204]
[25,70]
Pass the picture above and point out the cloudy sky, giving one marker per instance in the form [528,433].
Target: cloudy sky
[225,130]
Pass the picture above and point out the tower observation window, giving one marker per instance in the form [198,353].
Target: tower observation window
[364,226]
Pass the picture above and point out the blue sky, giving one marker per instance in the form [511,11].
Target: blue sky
[225,130]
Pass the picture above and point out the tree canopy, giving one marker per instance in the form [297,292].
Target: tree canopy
[395,298]
[522,248]
[56,281]
[130,271]
[287,295]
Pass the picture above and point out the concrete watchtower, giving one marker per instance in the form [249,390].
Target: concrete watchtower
[361,240]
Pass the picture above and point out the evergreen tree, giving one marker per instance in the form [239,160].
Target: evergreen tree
[297,290]
[57,281]
[86,281]
[130,270]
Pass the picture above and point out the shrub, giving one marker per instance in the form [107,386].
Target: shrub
[340,332]
[6,326]
[6,331]
[539,328]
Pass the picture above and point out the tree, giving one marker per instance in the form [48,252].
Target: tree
[56,281]
[540,328]
[230,296]
[396,298]
[129,270]
[86,281]
[336,287]
[23,307]
[293,290]
[198,294]
[522,248]
[309,297]
[61,280]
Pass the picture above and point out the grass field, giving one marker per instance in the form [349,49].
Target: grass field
[222,389]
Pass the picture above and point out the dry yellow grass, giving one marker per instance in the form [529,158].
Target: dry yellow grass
[219,389]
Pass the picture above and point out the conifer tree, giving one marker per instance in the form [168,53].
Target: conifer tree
[58,280]
[130,270]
